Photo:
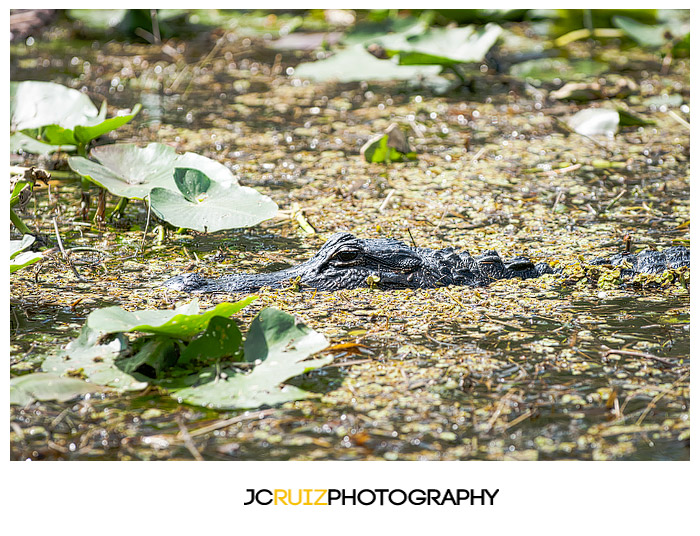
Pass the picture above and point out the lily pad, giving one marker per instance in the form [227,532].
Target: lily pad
[652,35]
[43,386]
[391,146]
[628,119]
[447,46]
[103,19]
[604,121]
[274,333]
[386,31]
[355,64]
[127,170]
[155,355]
[183,322]
[595,121]
[209,206]
[89,357]
[192,183]
[19,260]
[282,345]
[552,69]
[58,115]
[222,338]
[22,142]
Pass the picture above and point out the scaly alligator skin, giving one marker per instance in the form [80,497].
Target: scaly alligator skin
[347,262]
[647,262]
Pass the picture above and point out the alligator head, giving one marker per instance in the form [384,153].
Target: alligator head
[347,262]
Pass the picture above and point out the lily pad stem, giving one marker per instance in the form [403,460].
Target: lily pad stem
[119,209]
[19,224]
[459,74]
[145,231]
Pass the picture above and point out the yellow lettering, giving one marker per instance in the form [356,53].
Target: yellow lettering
[308,502]
[320,497]
[290,498]
[281,495]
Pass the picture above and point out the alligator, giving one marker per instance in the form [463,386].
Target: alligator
[347,262]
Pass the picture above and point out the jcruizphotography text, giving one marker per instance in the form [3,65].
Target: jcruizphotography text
[367,497]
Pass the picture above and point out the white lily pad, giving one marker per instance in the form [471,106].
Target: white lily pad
[183,322]
[19,260]
[22,142]
[43,386]
[386,32]
[58,115]
[209,206]
[127,170]
[355,64]
[595,121]
[87,356]
[447,46]
[37,104]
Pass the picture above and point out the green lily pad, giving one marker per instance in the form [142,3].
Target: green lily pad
[95,360]
[355,64]
[209,206]
[43,386]
[19,260]
[282,346]
[103,19]
[278,334]
[391,146]
[192,183]
[155,355]
[628,119]
[58,115]
[222,338]
[183,322]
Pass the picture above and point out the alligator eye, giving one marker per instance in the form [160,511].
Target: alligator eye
[346,256]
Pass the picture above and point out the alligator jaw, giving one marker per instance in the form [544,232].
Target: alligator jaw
[232,283]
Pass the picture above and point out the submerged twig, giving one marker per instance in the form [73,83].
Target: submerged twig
[386,200]
[658,397]
[635,353]
[228,422]
[615,200]
[189,444]
[65,255]
[679,119]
